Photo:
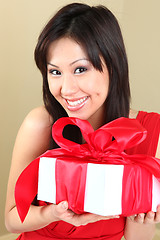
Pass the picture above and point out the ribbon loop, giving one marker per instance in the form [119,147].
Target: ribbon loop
[126,132]
[59,125]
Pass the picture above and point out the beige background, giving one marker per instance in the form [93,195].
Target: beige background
[20,81]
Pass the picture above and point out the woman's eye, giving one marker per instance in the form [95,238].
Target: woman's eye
[80,70]
[55,72]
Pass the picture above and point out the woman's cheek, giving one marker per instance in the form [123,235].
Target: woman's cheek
[52,87]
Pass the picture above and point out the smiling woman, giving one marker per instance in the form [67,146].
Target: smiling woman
[82,58]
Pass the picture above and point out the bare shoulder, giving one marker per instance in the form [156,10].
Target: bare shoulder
[133,113]
[37,126]
[38,118]
[34,135]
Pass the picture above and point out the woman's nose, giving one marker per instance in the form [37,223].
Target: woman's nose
[69,85]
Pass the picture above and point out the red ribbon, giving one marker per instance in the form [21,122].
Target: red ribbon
[106,145]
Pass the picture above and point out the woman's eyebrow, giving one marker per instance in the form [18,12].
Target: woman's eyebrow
[79,60]
[53,65]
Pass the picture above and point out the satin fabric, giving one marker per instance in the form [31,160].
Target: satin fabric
[100,148]
[102,230]
[110,229]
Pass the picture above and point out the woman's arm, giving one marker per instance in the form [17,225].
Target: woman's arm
[142,226]
[32,140]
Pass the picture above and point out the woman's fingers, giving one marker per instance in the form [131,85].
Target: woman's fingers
[138,218]
[148,218]
[85,218]
[62,212]
[157,216]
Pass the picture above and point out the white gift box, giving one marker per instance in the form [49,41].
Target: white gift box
[103,191]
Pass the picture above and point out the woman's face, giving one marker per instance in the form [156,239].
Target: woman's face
[75,83]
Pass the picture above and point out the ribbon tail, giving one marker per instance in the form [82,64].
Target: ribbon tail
[153,166]
[150,163]
[24,193]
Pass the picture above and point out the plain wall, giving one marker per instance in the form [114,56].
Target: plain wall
[141,30]
[20,82]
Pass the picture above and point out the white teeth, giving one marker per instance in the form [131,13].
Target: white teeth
[75,103]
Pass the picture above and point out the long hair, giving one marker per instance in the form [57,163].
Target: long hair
[97,30]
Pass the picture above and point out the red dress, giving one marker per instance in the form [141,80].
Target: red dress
[105,229]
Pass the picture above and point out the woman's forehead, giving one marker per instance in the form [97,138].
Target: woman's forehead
[66,47]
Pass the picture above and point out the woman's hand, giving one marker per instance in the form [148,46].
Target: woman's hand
[148,218]
[141,226]
[61,212]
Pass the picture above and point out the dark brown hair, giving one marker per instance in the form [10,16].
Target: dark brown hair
[97,30]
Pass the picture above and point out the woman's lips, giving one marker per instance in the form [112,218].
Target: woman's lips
[74,105]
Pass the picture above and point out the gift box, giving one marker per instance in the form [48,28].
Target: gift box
[98,176]
[97,188]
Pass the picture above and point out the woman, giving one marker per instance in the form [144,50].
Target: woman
[82,58]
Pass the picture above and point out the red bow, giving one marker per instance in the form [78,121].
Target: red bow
[106,145]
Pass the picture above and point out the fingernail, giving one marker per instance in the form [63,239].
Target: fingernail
[64,205]
[150,214]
